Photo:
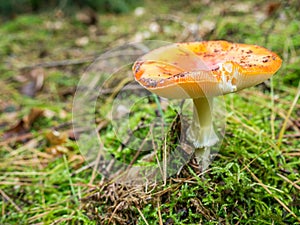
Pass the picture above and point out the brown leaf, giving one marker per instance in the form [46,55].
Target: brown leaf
[57,150]
[76,160]
[34,80]
[56,138]
[29,119]
[15,131]
[23,126]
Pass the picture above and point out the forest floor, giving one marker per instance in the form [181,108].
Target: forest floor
[47,175]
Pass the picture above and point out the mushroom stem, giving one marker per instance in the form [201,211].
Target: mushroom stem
[202,131]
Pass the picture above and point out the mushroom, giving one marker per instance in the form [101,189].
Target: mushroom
[202,71]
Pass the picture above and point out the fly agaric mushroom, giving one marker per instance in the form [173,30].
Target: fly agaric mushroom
[201,71]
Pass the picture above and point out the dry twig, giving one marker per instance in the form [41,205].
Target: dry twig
[7,198]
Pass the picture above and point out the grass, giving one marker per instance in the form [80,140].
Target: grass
[253,179]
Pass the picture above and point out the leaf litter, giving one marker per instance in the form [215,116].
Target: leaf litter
[187,196]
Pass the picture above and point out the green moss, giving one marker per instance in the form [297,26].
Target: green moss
[250,174]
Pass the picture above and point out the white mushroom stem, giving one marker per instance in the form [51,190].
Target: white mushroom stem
[202,131]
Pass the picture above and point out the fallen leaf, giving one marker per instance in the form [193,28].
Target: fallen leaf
[29,119]
[15,131]
[57,141]
[76,161]
[57,150]
[23,126]
[33,81]
[56,138]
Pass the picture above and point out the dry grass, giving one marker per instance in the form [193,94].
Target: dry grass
[254,178]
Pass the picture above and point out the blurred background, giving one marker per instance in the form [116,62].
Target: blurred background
[46,46]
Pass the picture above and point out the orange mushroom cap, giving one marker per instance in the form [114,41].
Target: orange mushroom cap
[208,68]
